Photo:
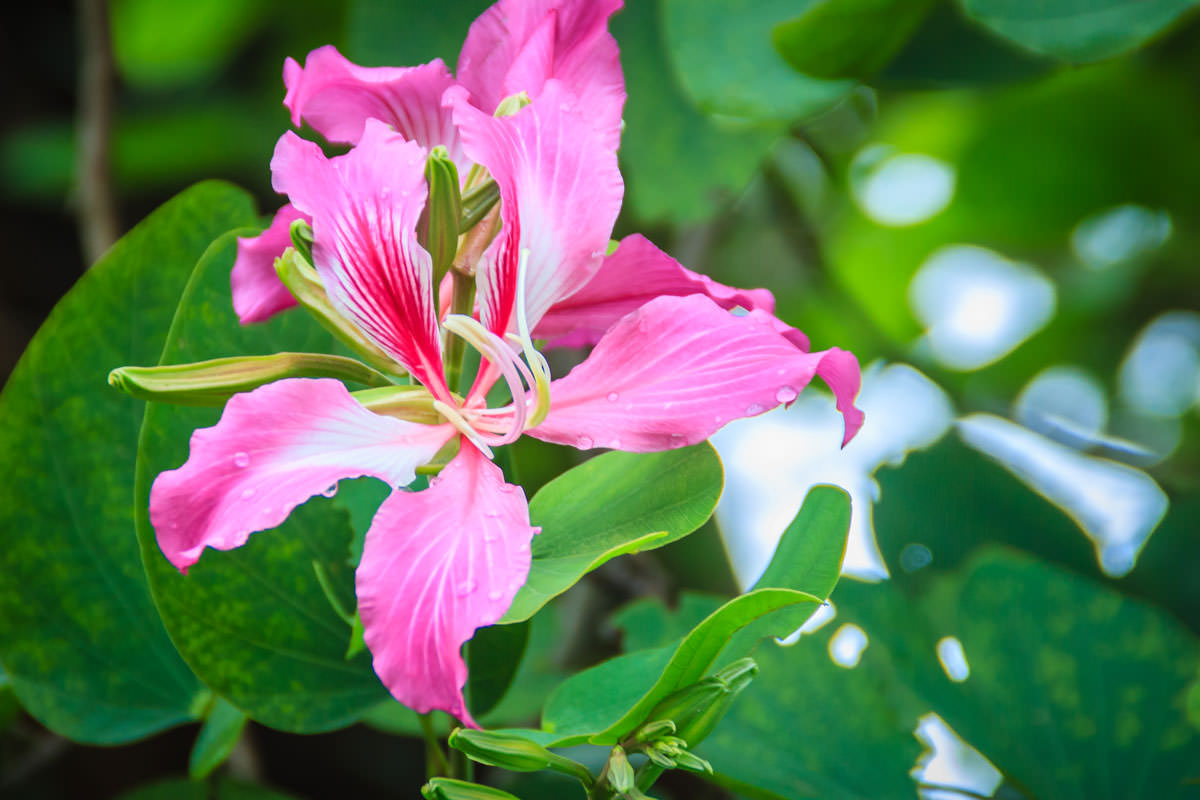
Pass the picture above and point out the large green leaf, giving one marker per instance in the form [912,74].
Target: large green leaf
[606,702]
[611,505]
[1077,30]
[254,623]
[79,635]
[848,38]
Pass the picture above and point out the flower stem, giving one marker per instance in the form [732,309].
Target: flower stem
[435,760]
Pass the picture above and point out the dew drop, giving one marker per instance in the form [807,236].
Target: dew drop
[330,490]
[247,494]
[490,536]
[465,588]
[676,435]
[786,394]
[612,397]
[507,488]
[780,371]
[495,594]
[241,459]
[615,444]
[585,442]
[754,408]
[667,405]
[523,547]
[492,514]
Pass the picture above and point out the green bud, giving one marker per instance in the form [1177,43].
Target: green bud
[437,229]
[302,238]
[477,204]
[697,709]
[513,752]
[692,762]
[620,772]
[653,730]
[302,281]
[659,757]
[451,789]
[211,383]
[512,104]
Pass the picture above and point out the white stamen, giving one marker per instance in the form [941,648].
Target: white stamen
[493,348]
[537,362]
[459,422]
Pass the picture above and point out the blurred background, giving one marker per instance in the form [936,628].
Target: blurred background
[993,205]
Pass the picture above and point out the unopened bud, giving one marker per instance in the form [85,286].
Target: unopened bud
[655,754]
[302,238]
[513,752]
[620,772]
[451,789]
[693,762]
[437,229]
[697,709]
[512,104]
[211,383]
[654,730]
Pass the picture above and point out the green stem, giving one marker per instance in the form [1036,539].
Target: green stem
[435,760]
[477,204]
[462,302]
[647,775]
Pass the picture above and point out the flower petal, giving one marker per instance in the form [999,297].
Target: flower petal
[258,293]
[436,565]
[628,279]
[676,370]
[274,448]
[365,206]
[560,191]
[518,45]
[337,97]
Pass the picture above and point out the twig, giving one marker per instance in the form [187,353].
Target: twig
[98,226]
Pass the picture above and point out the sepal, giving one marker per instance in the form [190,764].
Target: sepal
[211,383]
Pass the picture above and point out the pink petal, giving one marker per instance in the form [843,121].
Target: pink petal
[628,279]
[274,448]
[258,293]
[518,45]
[679,368]
[436,565]
[337,97]
[560,191]
[364,207]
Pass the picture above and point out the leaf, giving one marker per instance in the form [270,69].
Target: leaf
[80,637]
[387,33]
[493,656]
[611,505]
[604,703]
[254,623]
[667,181]
[848,38]
[216,740]
[1077,31]
[720,51]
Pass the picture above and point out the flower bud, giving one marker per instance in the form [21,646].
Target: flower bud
[512,104]
[302,238]
[437,229]
[513,752]
[690,761]
[654,730]
[697,709]
[451,789]
[620,772]
[211,383]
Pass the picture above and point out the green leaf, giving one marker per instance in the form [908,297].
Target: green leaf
[720,51]
[216,740]
[493,656]
[611,505]
[1077,30]
[848,38]
[79,635]
[254,623]
[178,789]
[606,702]
[680,164]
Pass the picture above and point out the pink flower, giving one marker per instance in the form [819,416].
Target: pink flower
[670,365]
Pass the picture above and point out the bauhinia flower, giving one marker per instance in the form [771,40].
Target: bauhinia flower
[671,362]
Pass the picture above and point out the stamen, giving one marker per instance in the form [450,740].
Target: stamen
[459,422]
[537,362]
[493,348]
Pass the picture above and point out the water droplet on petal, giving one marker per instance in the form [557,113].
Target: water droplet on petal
[490,536]
[495,594]
[465,588]
[492,513]
[247,494]
[241,459]
[523,547]
[754,408]
[507,488]
[615,444]
[585,442]
[786,394]
[612,397]
[676,435]
[330,490]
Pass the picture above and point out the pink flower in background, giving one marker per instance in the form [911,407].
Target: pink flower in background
[670,366]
